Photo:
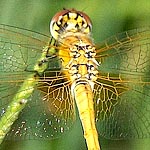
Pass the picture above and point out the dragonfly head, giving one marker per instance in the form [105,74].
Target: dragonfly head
[70,21]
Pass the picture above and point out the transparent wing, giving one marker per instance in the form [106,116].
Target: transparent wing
[122,90]
[49,112]
[20,50]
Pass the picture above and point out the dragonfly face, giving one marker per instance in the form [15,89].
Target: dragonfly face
[70,21]
[116,70]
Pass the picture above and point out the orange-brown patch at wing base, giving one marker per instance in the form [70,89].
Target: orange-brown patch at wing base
[57,97]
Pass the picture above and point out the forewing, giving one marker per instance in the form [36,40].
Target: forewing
[20,48]
[127,54]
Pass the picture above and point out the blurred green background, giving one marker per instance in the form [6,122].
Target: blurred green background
[109,17]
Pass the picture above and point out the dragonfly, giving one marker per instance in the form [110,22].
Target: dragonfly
[43,79]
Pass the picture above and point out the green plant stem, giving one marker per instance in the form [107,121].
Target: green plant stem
[15,107]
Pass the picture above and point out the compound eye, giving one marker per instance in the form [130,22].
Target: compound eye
[57,17]
[56,22]
[87,18]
